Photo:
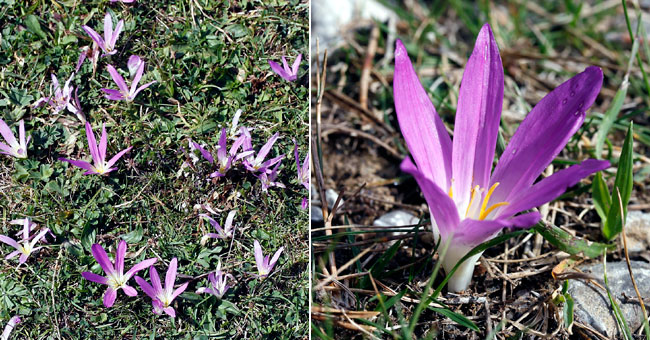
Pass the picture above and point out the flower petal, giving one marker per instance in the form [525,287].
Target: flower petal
[544,133]
[180,290]
[155,280]
[102,258]
[170,277]
[92,144]
[79,164]
[423,130]
[259,256]
[117,78]
[102,144]
[117,157]
[142,265]
[279,70]
[146,287]
[10,241]
[95,36]
[94,278]
[130,291]
[109,297]
[119,257]
[5,131]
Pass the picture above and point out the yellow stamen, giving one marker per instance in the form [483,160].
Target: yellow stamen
[471,201]
[485,212]
[490,209]
[451,192]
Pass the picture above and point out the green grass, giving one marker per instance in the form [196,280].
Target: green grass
[209,60]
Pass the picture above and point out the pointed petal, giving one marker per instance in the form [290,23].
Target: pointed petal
[102,258]
[23,258]
[5,131]
[142,265]
[117,78]
[180,290]
[205,153]
[552,187]
[278,70]
[109,297]
[113,94]
[116,33]
[79,164]
[130,291]
[266,148]
[545,132]
[477,118]
[142,88]
[21,134]
[94,278]
[92,144]
[96,38]
[222,152]
[155,280]
[102,144]
[10,241]
[119,257]
[259,257]
[275,258]
[146,287]
[474,232]
[170,311]
[296,64]
[108,30]
[229,219]
[423,130]
[12,254]
[136,79]
[117,157]
[441,206]
[170,278]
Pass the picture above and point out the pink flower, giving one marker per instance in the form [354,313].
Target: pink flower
[218,283]
[162,298]
[124,92]
[98,153]
[25,247]
[107,44]
[288,74]
[264,266]
[14,147]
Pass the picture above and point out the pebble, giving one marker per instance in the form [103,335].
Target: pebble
[637,231]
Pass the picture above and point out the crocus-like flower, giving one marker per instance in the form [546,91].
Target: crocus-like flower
[98,153]
[124,92]
[115,278]
[13,146]
[133,64]
[90,52]
[256,163]
[218,283]
[264,266]
[59,99]
[288,74]
[469,203]
[270,179]
[28,242]
[226,232]
[225,159]
[162,298]
[234,131]
[10,327]
[107,44]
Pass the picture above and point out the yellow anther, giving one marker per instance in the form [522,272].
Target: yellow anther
[486,211]
[471,201]
[490,209]
[451,192]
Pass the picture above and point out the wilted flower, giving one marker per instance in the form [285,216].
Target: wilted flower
[218,283]
[469,203]
[13,147]
[264,266]
[10,327]
[90,52]
[28,242]
[107,44]
[269,179]
[162,298]
[115,278]
[288,74]
[59,99]
[226,232]
[98,153]
[124,93]
[257,163]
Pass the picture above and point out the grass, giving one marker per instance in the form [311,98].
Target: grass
[385,286]
[209,59]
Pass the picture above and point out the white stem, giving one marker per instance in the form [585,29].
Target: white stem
[463,275]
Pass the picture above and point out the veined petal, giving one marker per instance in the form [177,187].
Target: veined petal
[119,257]
[138,267]
[477,118]
[94,278]
[474,232]
[544,133]
[552,187]
[146,287]
[423,130]
[102,258]
[441,206]
[108,30]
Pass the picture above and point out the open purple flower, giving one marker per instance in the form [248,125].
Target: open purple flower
[264,266]
[107,44]
[256,163]
[218,283]
[270,179]
[27,245]
[222,233]
[124,92]
[115,277]
[98,153]
[162,298]
[15,148]
[287,73]
[10,327]
[225,159]
[59,98]
[469,203]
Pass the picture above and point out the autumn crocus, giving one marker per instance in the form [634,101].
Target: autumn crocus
[27,245]
[162,298]
[59,98]
[303,172]
[217,283]
[106,44]
[470,203]
[15,148]
[287,73]
[270,179]
[264,266]
[98,153]
[124,92]
[225,158]
[10,327]
[255,163]
[221,233]
[115,277]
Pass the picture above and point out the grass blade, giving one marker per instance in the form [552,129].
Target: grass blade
[623,184]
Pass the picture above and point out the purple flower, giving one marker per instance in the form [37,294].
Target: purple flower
[469,203]
[59,99]
[288,74]
[133,64]
[270,179]
[264,267]
[162,298]
[256,163]
[115,278]
[10,327]
[218,283]
[124,92]
[90,52]
[98,153]
[107,44]
[14,147]
[28,242]
[226,232]
[225,159]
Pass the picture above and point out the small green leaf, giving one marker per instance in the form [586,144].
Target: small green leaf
[569,243]
[568,310]
[624,176]
[88,236]
[601,196]
[456,317]
[133,237]
[31,21]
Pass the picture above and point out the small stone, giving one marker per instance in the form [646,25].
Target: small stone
[637,231]
[396,218]
[592,305]
[316,213]
[331,196]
